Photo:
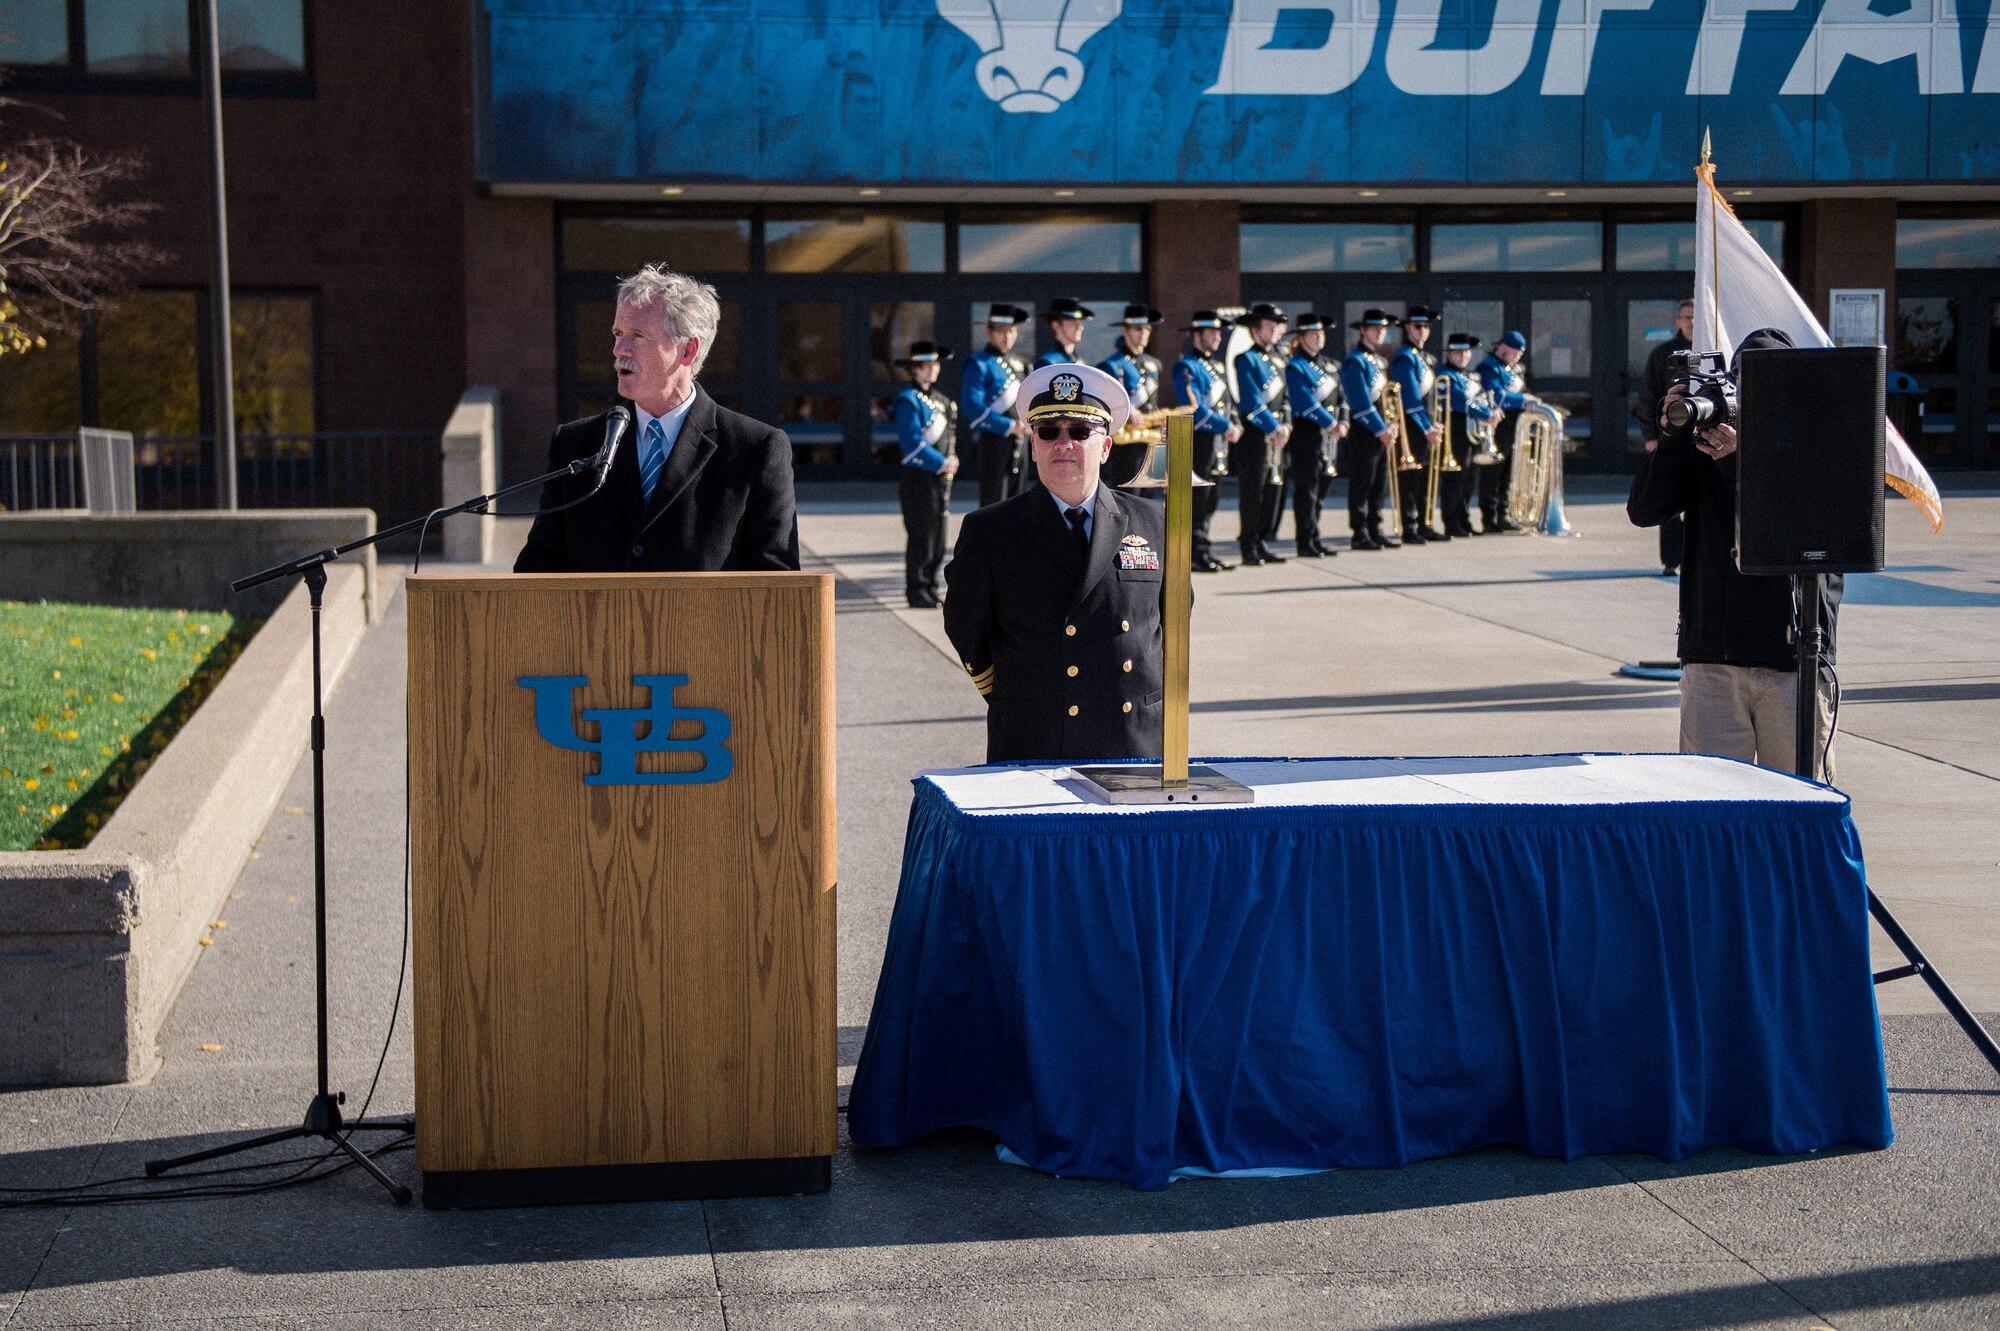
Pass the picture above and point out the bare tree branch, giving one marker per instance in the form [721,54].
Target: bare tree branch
[65,243]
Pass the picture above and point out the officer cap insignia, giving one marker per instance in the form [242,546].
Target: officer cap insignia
[1080,392]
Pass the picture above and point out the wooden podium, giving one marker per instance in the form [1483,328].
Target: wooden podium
[622,879]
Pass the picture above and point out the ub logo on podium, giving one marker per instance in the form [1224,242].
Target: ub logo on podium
[619,739]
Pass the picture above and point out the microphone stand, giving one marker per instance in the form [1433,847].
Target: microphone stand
[323,1117]
[1806,764]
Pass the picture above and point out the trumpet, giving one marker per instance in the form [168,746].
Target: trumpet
[1442,460]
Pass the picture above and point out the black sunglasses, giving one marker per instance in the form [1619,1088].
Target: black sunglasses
[1076,430]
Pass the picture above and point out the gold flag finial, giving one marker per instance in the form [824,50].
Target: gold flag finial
[1704,145]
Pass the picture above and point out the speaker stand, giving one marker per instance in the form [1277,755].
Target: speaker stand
[1806,763]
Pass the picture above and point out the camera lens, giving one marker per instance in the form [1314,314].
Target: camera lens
[1690,413]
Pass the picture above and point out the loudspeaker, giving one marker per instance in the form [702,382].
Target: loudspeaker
[1809,460]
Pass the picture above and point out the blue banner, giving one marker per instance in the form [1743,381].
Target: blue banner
[1245,92]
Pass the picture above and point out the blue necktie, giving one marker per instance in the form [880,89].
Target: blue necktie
[655,459]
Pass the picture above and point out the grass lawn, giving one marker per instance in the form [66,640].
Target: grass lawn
[89,695]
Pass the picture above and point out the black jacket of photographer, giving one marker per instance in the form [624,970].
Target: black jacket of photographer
[1727,617]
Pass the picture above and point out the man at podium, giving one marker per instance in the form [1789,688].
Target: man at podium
[693,487]
[1056,595]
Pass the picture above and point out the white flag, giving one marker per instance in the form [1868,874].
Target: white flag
[1738,290]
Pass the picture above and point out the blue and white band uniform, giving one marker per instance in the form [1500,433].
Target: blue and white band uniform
[992,383]
[1362,377]
[1199,382]
[1505,383]
[1467,398]
[1055,356]
[921,422]
[1260,387]
[1309,382]
[1412,371]
[1140,377]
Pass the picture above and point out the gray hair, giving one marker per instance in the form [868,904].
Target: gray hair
[688,308]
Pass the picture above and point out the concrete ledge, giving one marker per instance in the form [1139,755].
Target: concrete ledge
[95,943]
[171,559]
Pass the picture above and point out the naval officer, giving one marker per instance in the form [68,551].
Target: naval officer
[1056,596]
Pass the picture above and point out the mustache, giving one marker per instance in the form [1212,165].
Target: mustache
[624,363]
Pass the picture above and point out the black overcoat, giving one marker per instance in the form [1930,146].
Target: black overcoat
[1068,654]
[722,503]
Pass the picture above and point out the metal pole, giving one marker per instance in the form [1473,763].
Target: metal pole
[208,48]
[1179,598]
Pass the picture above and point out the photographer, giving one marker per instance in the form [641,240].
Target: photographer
[1652,401]
[1739,663]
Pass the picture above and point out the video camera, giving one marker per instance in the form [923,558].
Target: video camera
[1711,392]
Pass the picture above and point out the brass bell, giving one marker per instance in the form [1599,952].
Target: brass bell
[1153,471]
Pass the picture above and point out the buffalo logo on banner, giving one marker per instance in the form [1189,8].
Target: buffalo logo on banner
[623,733]
[1030,49]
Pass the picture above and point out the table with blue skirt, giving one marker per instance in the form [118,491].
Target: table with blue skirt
[1378,961]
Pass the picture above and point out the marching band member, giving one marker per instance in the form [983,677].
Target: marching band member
[1500,377]
[1364,374]
[924,420]
[992,381]
[1319,419]
[1260,394]
[1065,318]
[1413,370]
[1139,374]
[1201,381]
[1470,407]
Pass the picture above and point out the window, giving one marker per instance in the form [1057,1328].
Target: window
[271,352]
[1517,247]
[1948,242]
[688,243]
[1329,247]
[149,364]
[1669,246]
[1049,242]
[40,390]
[147,359]
[34,32]
[797,241]
[152,40]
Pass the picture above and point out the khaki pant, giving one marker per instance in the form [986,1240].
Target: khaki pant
[1749,712]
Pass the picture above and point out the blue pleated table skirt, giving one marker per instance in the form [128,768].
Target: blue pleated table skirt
[1379,961]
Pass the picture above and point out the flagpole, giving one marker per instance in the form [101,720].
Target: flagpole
[1707,172]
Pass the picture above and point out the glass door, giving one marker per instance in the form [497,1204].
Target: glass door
[1645,314]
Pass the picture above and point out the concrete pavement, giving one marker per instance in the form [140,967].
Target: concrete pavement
[1507,644]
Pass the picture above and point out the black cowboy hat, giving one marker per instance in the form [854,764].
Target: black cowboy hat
[1202,319]
[924,353]
[1142,314]
[1460,342]
[1007,315]
[1309,323]
[1262,310]
[1372,318]
[1068,307]
[1420,314]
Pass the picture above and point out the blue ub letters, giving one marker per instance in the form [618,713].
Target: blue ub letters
[623,733]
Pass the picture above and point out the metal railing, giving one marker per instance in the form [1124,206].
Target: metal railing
[40,471]
[394,472]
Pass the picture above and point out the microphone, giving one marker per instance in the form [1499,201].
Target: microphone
[600,465]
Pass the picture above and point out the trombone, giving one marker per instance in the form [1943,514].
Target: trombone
[1391,407]
[1442,460]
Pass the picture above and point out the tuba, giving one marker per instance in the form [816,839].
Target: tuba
[1535,481]
[1485,453]
[1442,460]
